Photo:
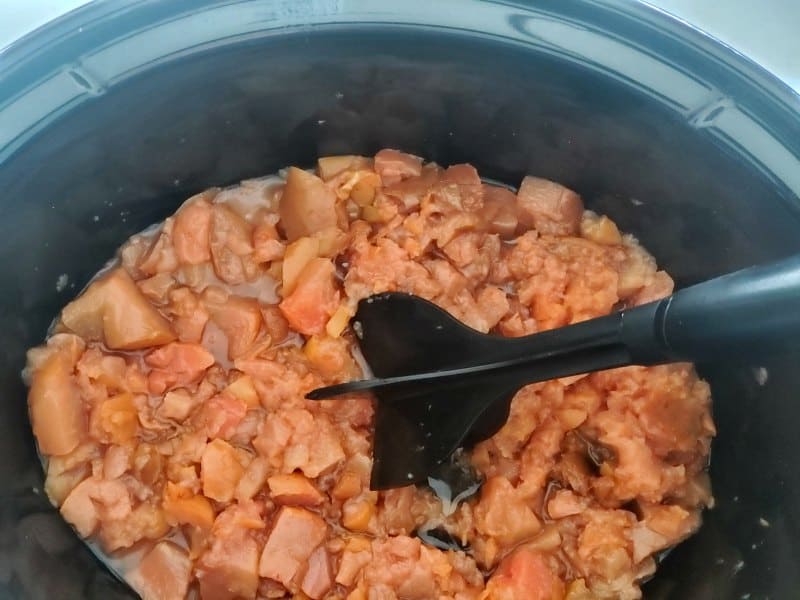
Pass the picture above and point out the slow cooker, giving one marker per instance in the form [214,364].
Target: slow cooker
[113,114]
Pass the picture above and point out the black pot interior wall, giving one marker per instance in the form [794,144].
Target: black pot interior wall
[127,158]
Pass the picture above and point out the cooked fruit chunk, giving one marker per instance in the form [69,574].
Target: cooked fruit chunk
[113,310]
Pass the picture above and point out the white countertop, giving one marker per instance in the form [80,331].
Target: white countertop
[764,30]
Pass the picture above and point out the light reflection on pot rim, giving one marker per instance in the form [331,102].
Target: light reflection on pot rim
[85,53]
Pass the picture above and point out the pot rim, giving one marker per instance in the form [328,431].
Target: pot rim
[49,71]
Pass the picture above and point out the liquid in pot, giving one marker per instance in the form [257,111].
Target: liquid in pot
[169,400]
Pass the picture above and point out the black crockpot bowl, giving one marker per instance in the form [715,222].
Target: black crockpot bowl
[112,115]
